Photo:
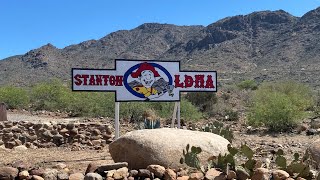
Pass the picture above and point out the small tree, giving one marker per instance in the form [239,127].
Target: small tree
[280,105]
[48,95]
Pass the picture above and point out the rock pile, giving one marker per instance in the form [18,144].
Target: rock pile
[120,171]
[45,135]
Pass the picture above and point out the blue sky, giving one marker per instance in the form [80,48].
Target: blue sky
[29,24]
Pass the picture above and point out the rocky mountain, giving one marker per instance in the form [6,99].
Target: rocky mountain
[266,45]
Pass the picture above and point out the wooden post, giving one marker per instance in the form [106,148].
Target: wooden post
[174,115]
[3,112]
[116,121]
[178,115]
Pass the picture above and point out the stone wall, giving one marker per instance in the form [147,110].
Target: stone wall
[45,135]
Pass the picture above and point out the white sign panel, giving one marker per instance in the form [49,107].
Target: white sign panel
[138,80]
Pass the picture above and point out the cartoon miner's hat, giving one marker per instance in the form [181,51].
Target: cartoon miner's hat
[145,66]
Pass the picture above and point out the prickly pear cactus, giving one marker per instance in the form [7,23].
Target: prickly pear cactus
[217,128]
[191,157]
[297,166]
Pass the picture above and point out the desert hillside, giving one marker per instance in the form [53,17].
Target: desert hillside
[266,45]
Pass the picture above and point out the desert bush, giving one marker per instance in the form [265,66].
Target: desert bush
[219,108]
[14,97]
[203,100]
[248,84]
[189,111]
[89,104]
[54,95]
[280,105]
[48,95]
[231,115]
[135,110]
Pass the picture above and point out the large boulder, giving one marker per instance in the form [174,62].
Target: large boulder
[314,150]
[164,147]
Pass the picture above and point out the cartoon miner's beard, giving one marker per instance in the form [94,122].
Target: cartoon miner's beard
[147,78]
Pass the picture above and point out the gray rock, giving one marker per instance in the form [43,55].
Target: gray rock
[93,176]
[196,176]
[35,177]
[47,134]
[213,174]
[50,174]
[76,176]
[169,174]
[315,123]
[107,167]
[311,132]
[24,175]
[157,170]
[121,173]
[133,173]
[10,144]
[280,175]
[314,150]
[38,172]
[144,173]
[164,147]
[20,148]
[62,176]
[261,174]
[91,168]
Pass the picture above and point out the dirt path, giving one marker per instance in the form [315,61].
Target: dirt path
[18,116]
[76,161]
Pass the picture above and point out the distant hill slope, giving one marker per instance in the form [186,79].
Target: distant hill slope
[266,45]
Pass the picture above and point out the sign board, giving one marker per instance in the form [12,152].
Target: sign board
[139,80]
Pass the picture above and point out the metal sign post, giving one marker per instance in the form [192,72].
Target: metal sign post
[174,115]
[116,121]
[178,115]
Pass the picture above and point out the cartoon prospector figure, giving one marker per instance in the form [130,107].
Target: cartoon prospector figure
[150,83]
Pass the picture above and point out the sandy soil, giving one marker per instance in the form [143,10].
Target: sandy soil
[76,161]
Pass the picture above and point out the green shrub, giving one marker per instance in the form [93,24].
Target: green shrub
[231,115]
[189,111]
[203,100]
[248,84]
[89,104]
[14,97]
[164,110]
[279,106]
[48,96]
[54,95]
